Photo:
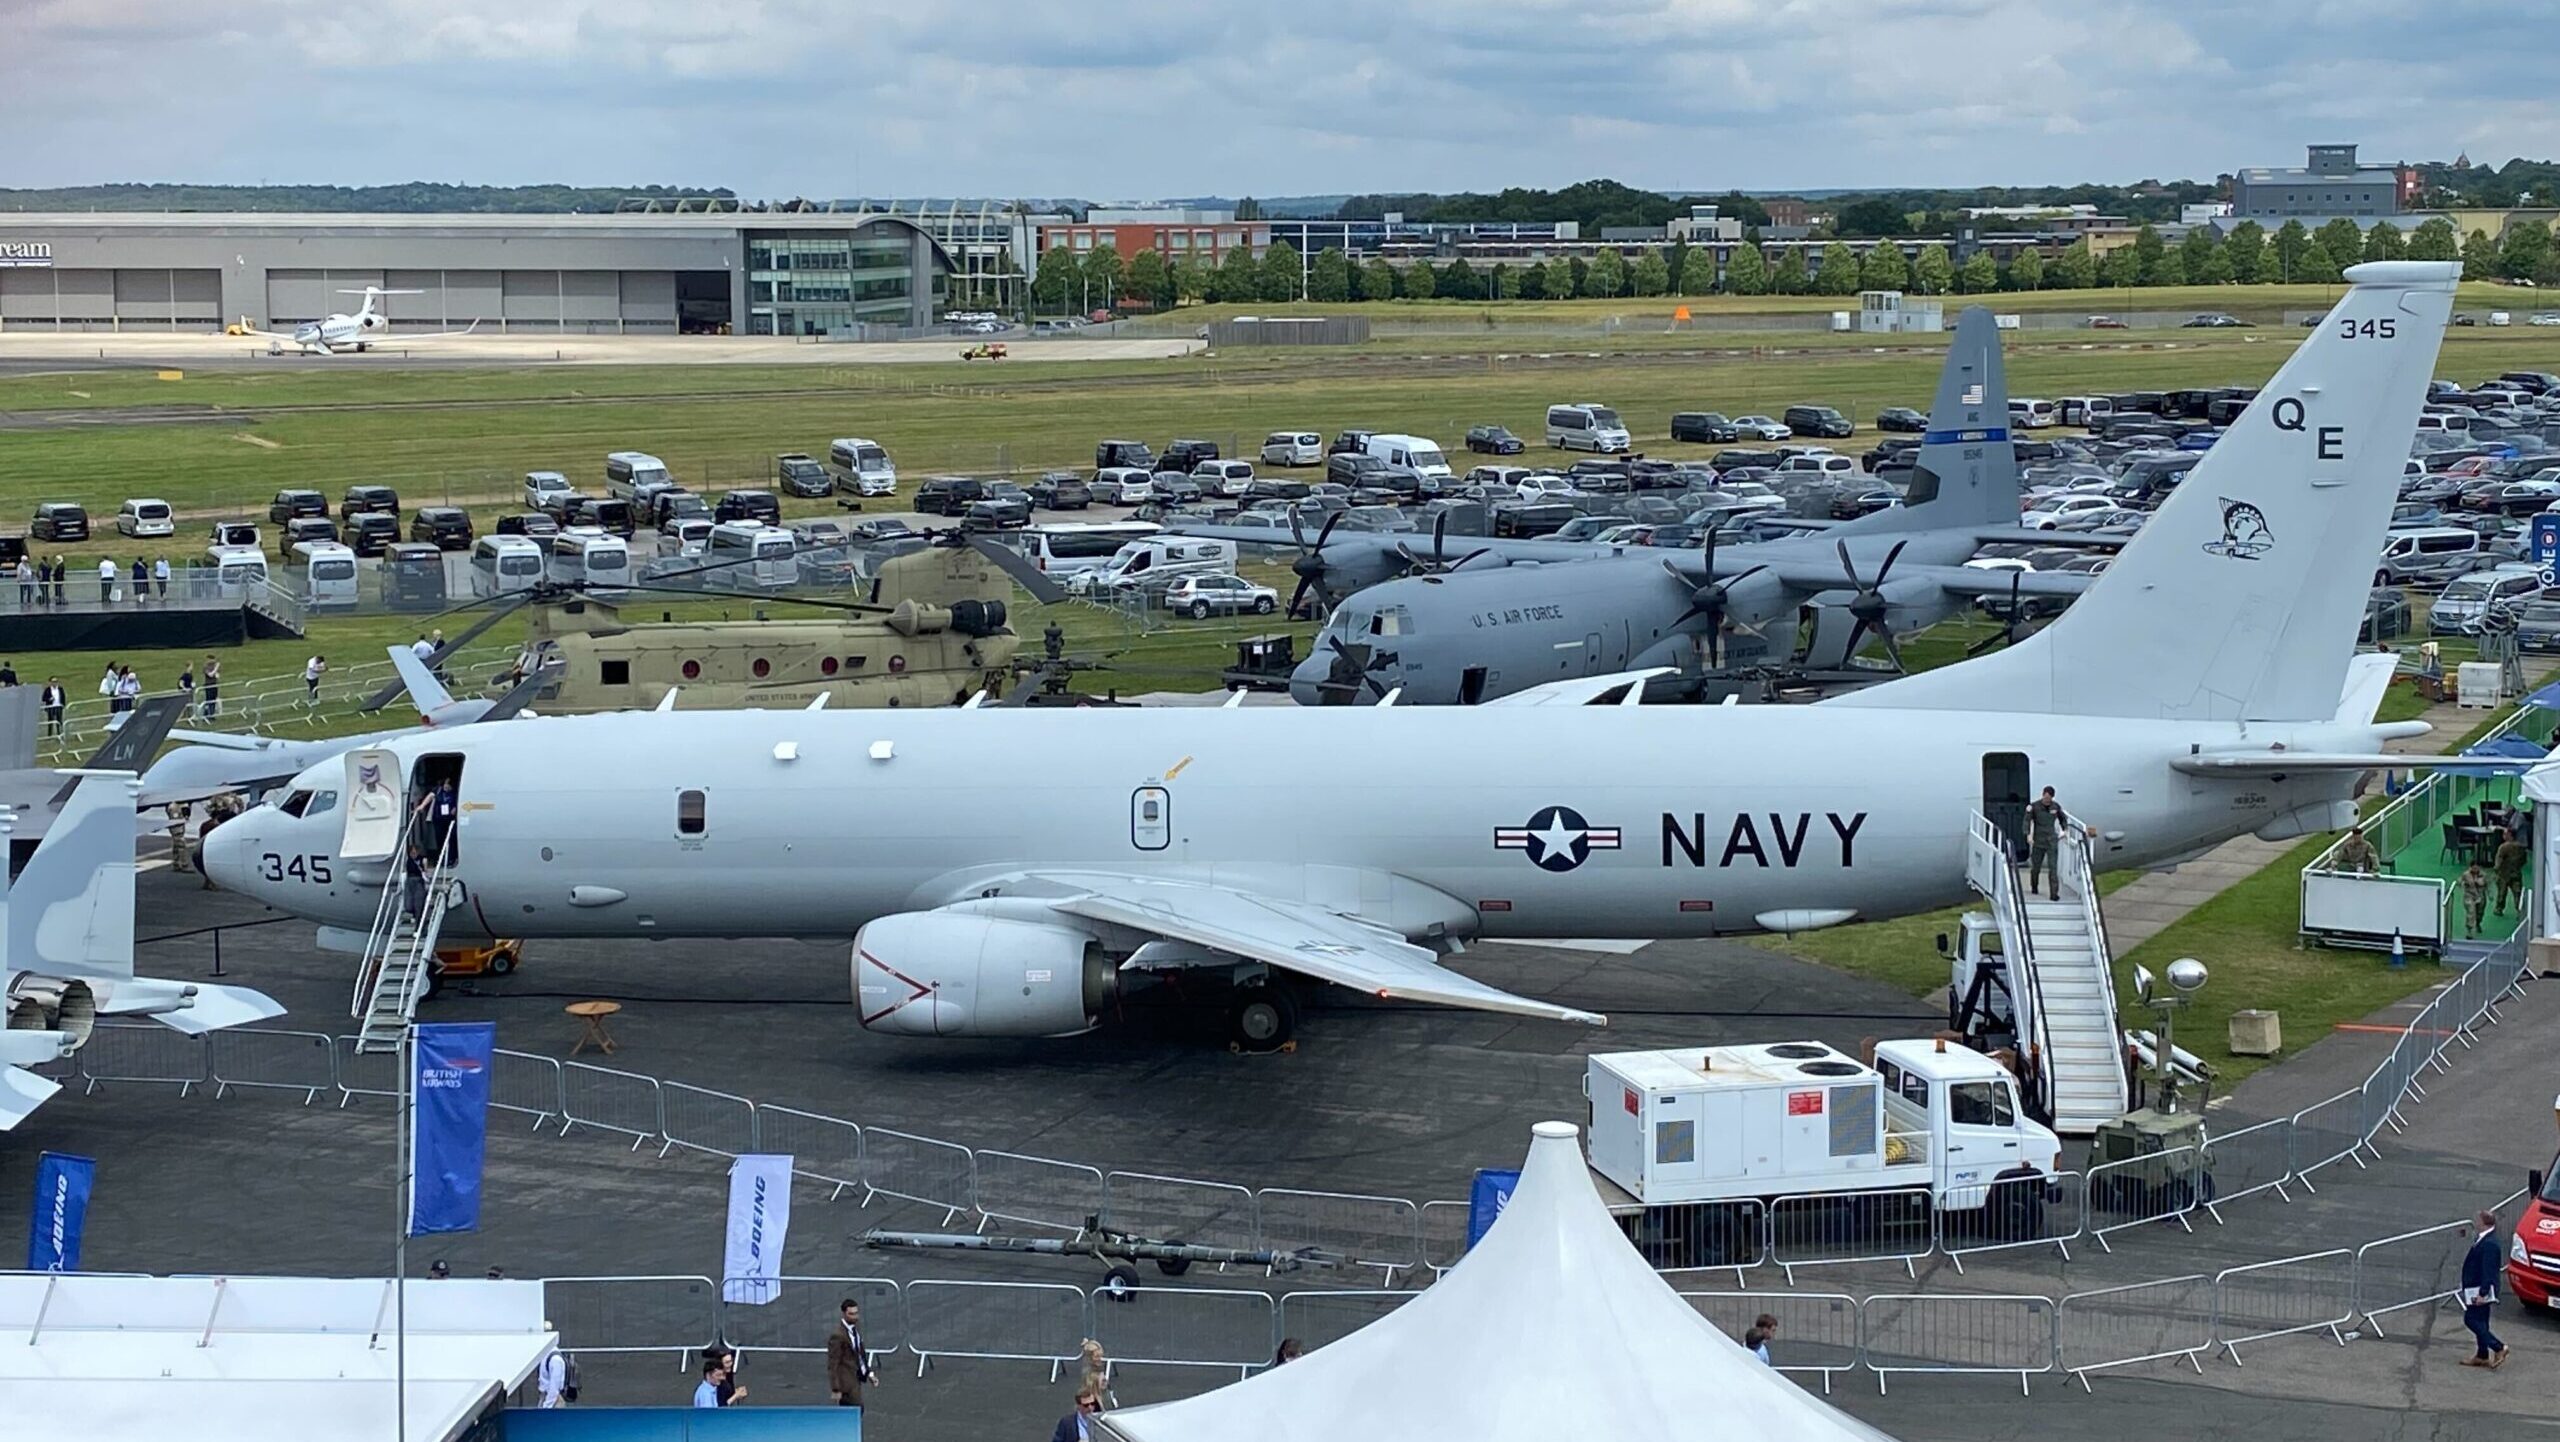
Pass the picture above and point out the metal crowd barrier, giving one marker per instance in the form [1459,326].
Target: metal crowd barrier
[918,1169]
[611,1101]
[1826,1229]
[1037,1192]
[2251,1160]
[2030,1211]
[823,1149]
[1002,1321]
[705,1121]
[291,1061]
[633,1314]
[1358,1231]
[2310,1293]
[2315,1141]
[1184,1327]
[801,1313]
[1956,1332]
[2167,1320]
[1178,1209]
[1818,1331]
[2166,1185]
[1317,1319]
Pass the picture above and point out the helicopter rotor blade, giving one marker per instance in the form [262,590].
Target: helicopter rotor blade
[1017,565]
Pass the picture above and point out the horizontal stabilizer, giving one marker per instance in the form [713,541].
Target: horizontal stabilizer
[217,1007]
[21,1092]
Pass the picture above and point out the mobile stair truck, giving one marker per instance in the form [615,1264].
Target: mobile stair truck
[1728,1156]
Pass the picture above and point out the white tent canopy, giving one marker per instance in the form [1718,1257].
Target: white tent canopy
[1552,1325]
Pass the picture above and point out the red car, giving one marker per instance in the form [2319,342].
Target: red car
[2533,1254]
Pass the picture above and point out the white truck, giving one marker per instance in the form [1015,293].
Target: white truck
[1694,1146]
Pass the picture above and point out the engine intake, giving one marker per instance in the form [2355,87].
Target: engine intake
[52,1003]
[930,973]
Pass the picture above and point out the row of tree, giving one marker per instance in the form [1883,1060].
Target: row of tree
[2249,255]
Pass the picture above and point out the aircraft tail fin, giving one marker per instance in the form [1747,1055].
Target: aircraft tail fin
[69,912]
[425,691]
[1966,474]
[2241,599]
[19,718]
[138,739]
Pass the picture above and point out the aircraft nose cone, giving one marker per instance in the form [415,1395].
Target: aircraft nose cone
[226,858]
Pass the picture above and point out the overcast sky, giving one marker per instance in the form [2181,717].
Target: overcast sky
[1140,98]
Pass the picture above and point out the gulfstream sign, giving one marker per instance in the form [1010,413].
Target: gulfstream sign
[25,252]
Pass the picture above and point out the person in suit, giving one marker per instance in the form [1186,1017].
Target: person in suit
[1077,1426]
[848,1361]
[2479,1294]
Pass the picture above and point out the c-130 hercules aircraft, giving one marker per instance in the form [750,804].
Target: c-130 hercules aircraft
[1008,873]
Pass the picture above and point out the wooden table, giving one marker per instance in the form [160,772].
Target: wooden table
[591,1015]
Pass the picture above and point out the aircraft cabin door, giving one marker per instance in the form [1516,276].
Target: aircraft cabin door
[2005,783]
[376,808]
[1151,818]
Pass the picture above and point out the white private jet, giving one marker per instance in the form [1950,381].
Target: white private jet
[366,328]
[1007,872]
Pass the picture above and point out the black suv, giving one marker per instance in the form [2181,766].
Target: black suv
[1705,428]
[1184,455]
[362,500]
[1348,468]
[536,524]
[1820,421]
[1132,454]
[1902,418]
[60,521]
[997,513]
[803,476]
[668,507]
[370,533]
[288,505]
[607,514]
[949,495]
[1349,443]
[748,506]
[447,527]
[309,528]
[1061,491]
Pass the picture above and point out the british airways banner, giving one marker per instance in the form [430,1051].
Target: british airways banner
[62,1211]
[759,1215]
[449,1124]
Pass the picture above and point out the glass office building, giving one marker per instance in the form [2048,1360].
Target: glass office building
[808,282]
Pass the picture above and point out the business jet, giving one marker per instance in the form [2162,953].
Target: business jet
[1006,872]
[330,334]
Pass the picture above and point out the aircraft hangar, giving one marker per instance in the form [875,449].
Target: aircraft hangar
[751,273]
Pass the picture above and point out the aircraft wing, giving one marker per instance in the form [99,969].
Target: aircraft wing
[1292,935]
[406,336]
[21,1092]
[1383,543]
[1824,575]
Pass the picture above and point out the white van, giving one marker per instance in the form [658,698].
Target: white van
[632,475]
[1075,548]
[143,519]
[1830,465]
[504,563]
[1418,454]
[591,555]
[328,573]
[236,569]
[1232,479]
[2090,411]
[1293,448]
[2032,413]
[1584,426]
[1156,558]
[865,463]
[687,536]
[2422,555]
[751,553]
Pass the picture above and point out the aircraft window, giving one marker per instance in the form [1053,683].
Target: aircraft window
[689,813]
[693,670]
[826,665]
[762,667]
[1980,1104]
[295,803]
[1389,622]
[616,673]
[322,803]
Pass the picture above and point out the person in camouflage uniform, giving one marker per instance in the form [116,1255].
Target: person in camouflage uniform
[2474,884]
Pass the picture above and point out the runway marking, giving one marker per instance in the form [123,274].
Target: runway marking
[261,442]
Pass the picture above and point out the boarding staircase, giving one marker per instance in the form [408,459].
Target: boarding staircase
[2060,979]
[399,952]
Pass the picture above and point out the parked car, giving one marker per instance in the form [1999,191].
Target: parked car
[1350,442]
[541,488]
[1061,491]
[997,513]
[290,504]
[1820,421]
[370,533]
[605,513]
[2471,603]
[535,525]
[1185,456]
[1494,441]
[1851,502]
[1348,468]
[1201,597]
[1761,428]
[1705,428]
[2052,511]
[1902,418]
[1133,454]
[2214,320]
[60,521]
[309,528]
[748,505]
[801,475]
[1531,518]
[2537,626]
[360,500]
[1120,486]
[2103,322]
[448,528]
[145,518]
[668,507]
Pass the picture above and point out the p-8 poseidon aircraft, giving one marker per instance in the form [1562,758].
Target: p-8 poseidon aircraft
[1006,872]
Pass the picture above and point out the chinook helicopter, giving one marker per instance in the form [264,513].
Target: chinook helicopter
[932,630]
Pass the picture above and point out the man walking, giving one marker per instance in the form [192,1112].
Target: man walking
[312,671]
[2044,832]
[2474,883]
[848,1361]
[2479,1294]
[26,584]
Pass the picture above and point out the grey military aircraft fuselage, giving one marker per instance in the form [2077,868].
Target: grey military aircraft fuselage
[1458,840]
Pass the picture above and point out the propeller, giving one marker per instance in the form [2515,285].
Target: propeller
[1310,566]
[1711,597]
[1868,605]
[2011,631]
[1354,669]
[1438,563]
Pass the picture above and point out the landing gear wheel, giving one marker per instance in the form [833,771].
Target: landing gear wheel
[1264,1018]
[1120,1282]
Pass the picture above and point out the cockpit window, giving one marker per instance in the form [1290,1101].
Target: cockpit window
[322,803]
[1389,622]
[295,803]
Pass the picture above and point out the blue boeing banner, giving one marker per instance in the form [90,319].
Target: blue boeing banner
[62,1211]
[449,1124]
[2546,547]
[1492,1192]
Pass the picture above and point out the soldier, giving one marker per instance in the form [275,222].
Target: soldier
[2044,830]
[2356,856]
[179,859]
[2475,894]
[2508,864]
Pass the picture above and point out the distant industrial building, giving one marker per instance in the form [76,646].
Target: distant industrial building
[756,273]
[1204,236]
[2332,183]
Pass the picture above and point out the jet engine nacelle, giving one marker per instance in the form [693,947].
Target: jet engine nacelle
[938,973]
[49,1003]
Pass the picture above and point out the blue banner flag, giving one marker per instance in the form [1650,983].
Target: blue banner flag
[2546,548]
[449,1124]
[62,1211]
[1491,1194]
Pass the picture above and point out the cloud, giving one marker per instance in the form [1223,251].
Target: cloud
[1138,98]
